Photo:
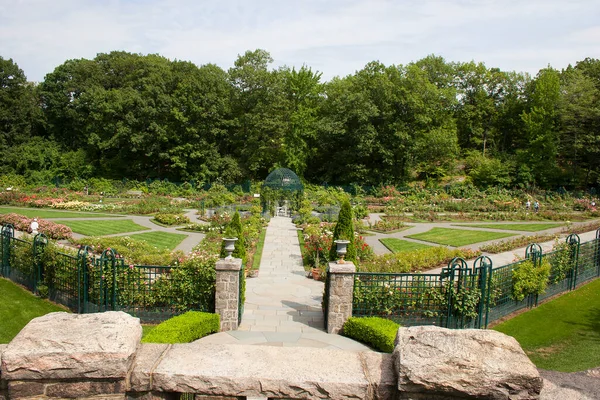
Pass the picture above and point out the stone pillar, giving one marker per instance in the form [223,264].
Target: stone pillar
[227,292]
[341,288]
[61,355]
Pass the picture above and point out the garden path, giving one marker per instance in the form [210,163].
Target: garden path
[283,306]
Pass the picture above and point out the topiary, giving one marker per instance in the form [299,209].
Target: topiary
[344,230]
[235,229]
[378,333]
[184,328]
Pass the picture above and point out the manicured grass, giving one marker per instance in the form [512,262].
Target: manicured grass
[399,245]
[160,240]
[457,237]
[563,334]
[259,249]
[45,213]
[517,227]
[101,227]
[146,328]
[17,307]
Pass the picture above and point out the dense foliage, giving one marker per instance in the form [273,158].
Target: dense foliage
[380,333]
[123,115]
[184,328]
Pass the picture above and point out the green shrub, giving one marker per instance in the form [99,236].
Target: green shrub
[528,279]
[184,328]
[234,229]
[379,333]
[171,219]
[344,229]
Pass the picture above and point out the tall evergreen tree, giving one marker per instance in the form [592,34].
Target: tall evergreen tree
[344,230]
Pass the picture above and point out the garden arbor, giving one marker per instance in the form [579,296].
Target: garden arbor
[282,189]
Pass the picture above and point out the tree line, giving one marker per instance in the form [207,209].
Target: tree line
[124,115]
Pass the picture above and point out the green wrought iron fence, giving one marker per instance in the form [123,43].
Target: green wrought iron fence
[463,297]
[454,298]
[409,299]
[86,283]
[21,266]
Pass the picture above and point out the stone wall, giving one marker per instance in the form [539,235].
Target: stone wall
[99,356]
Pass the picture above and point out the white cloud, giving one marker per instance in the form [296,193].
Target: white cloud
[336,37]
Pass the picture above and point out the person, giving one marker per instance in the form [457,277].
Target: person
[34,227]
[536,206]
[528,205]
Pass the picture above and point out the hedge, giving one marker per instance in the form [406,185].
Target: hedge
[184,328]
[378,333]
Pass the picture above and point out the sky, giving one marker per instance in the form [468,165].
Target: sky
[335,37]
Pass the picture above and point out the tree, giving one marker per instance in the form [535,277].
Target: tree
[235,229]
[20,115]
[579,110]
[303,93]
[257,138]
[344,230]
[540,127]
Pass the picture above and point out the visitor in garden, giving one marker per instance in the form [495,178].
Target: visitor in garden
[528,205]
[34,227]
[536,206]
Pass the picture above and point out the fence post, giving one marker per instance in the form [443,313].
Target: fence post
[482,266]
[39,243]
[8,233]
[573,240]
[534,251]
[82,280]
[227,292]
[341,291]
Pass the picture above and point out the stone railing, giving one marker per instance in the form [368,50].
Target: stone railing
[100,356]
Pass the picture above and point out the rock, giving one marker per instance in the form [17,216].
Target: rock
[273,372]
[466,364]
[552,391]
[146,359]
[569,385]
[62,346]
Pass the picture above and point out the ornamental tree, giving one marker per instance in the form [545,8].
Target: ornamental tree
[344,230]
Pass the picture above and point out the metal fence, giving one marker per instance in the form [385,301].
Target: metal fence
[86,283]
[463,297]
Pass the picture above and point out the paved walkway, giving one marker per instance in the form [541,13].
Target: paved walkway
[283,306]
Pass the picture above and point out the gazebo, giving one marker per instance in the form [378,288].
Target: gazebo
[282,184]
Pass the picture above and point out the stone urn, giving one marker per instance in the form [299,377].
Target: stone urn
[342,249]
[229,246]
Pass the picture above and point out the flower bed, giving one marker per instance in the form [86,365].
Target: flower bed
[50,229]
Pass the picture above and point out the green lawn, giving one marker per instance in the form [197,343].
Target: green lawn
[399,245]
[160,240]
[259,249]
[563,334]
[17,307]
[517,227]
[102,227]
[457,237]
[45,213]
